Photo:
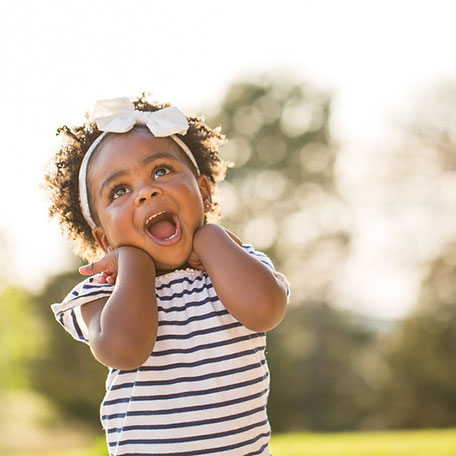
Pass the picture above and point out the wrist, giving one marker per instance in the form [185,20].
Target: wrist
[130,256]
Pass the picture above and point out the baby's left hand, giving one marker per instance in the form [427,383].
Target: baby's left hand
[194,260]
[106,266]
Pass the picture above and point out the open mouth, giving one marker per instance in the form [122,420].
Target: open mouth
[163,227]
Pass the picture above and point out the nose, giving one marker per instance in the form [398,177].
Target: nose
[146,192]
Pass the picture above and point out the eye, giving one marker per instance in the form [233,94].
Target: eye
[161,170]
[117,192]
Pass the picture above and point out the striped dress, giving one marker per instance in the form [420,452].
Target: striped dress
[203,390]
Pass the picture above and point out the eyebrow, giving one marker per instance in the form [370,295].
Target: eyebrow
[147,160]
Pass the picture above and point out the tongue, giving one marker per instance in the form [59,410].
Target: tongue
[162,229]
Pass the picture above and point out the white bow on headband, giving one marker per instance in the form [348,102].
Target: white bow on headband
[118,115]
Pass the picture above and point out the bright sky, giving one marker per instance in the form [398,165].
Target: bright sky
[58,57]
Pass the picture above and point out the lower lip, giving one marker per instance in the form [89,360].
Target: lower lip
[173,239]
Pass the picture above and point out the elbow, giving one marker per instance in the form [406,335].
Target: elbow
[270,313]
[129,360]
[265,323]
[124,355]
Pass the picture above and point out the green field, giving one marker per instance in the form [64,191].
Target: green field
[399,443]
[403,443]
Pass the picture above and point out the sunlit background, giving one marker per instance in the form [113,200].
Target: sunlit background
[365,226]
[376,58]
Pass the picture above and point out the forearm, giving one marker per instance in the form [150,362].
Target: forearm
[247,288]
[127,325]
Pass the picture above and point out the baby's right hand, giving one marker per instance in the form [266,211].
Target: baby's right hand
[108,266]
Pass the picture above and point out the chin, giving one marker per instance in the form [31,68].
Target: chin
[171,266]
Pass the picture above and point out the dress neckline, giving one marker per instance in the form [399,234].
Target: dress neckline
[179,273]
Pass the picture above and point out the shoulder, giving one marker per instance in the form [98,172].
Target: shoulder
[88,290]
[263,258]
[68,312]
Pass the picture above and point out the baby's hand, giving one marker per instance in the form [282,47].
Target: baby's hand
[108,266]
[194,260]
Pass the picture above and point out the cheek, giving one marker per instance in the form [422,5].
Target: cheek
[187,190]
[196,189]
[194,200]
[112,219]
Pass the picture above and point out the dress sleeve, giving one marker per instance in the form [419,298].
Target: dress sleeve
[68,312]
[267,261]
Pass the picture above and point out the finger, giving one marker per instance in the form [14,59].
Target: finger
[87,269]
[103,277]
[196,263]
[102,265]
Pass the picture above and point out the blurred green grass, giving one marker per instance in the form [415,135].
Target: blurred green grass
[394,443]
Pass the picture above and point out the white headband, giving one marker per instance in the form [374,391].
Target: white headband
[118,115]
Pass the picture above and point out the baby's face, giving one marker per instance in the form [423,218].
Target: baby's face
[145,195]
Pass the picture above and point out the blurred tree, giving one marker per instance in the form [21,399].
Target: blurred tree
[420,355]
[435,125]
[17,324]
[420,390]
[281,195]
[321,360]
[66,372]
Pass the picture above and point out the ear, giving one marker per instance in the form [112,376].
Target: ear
[205,190]
[101,239]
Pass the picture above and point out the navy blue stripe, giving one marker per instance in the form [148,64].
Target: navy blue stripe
[195,318]
[193,408]
[76,326]
[198,333]
[186,292]
[92,293]
[206,346]
[75,293]
[180,395]
[247,247]
[267,264]
[86,286]
[152,427]
[180,280]
[260,256]
[197,378]
[193,438]
[260,451]
[208,450]
[201,362]
[198,348]
[187,305]
[264,260]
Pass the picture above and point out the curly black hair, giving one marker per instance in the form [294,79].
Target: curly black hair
[61,179]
